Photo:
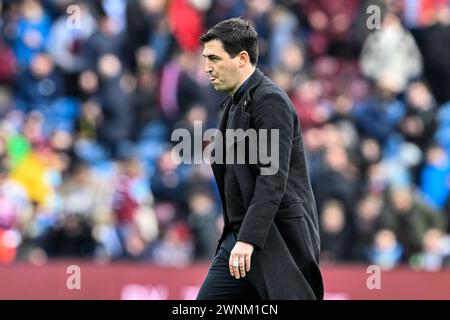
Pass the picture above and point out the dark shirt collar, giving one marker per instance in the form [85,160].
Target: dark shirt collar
[240,92]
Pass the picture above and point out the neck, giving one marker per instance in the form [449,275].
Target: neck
[244,76]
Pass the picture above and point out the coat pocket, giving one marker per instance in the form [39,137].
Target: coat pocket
[293,210]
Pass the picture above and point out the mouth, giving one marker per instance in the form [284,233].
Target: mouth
[212,79]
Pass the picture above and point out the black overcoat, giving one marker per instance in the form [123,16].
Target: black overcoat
[281,217]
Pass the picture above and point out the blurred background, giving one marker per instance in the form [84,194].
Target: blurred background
[90,92]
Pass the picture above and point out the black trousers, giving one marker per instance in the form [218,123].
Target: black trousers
[219,284]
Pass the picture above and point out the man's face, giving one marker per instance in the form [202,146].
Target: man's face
[223,70]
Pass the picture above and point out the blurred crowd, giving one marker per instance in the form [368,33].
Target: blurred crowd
[90,92]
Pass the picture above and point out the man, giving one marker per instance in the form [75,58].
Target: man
[269,248]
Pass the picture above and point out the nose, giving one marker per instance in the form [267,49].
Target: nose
[208,68]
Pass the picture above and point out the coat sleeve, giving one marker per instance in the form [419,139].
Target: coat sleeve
[272,111]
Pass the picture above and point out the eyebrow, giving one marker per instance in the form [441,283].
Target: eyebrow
[210,56]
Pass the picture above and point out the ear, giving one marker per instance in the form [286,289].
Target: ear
[244,58]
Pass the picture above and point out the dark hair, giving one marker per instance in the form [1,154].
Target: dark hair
[236,35]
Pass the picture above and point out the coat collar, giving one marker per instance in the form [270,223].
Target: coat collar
[254,80]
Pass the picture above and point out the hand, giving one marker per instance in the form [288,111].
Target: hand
[241,253]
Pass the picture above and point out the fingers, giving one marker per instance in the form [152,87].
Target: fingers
[230,265]
[234,266]
[242,266]
[239,262]
[239,265]
[247,263]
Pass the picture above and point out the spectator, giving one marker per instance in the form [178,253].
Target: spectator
[115,98]
[186,22]
[72,237]
[169,181]
[65,45]
[330,25]
[29,32]
[434,178]
[78,193]
[135,223]
[385,250]
[290,55]
[443,128]
[310,109]
[419,123]
[105,40]
[14,207]
[367,224]
[144,104]
[335,235]
[40,85]
[391,52]
[176,248]
[337,179]
[131,192]
[433,41]
[435,251]
[202,221]
[409,219]
[379,115]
